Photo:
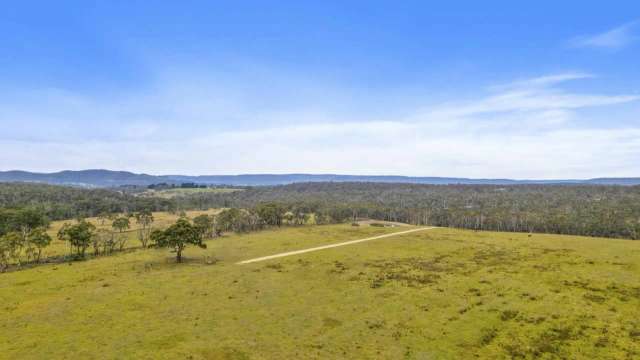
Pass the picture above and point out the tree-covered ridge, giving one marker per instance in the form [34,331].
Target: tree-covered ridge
[110,178]
[63,202]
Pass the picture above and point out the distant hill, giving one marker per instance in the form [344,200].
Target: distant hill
[109,178]
[85,178]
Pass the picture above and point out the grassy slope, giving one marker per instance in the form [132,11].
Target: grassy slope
[442,293]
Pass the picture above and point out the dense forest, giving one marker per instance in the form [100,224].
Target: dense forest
[64,202]
[593,210]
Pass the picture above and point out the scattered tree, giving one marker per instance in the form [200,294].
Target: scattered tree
[11,245]
[178,236]
[205,224]
[144,218]
[37,240]
[5,253]
[103,217]
[79,237]
[121,224]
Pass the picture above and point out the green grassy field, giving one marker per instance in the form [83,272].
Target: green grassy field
[436,294]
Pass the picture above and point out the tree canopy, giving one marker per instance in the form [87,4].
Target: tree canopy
[178,236]
[78,235]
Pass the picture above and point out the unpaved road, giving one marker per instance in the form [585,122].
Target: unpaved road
[296,252]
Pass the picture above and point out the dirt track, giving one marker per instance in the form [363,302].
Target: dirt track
[351,242]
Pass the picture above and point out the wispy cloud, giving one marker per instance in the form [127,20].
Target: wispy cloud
[529,128]
[615,38]
[540,94]
[545,81]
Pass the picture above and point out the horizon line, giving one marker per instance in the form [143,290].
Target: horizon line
[323,174]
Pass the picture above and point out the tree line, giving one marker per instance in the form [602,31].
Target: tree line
[590,210]
[65,202]
[23,231]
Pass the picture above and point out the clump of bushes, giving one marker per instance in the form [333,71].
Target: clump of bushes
[508,315]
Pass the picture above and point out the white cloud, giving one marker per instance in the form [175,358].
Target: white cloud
[545,81]
[528,129]
[615,38]
[539,95]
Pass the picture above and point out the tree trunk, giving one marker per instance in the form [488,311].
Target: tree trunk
[179,255]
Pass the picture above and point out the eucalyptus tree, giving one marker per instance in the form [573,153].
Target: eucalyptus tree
[79,237]
[144,218]
[205,224]
[11,245]
[121,224]
[37,240]
[178,236]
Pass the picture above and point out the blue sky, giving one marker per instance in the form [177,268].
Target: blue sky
[475,89]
